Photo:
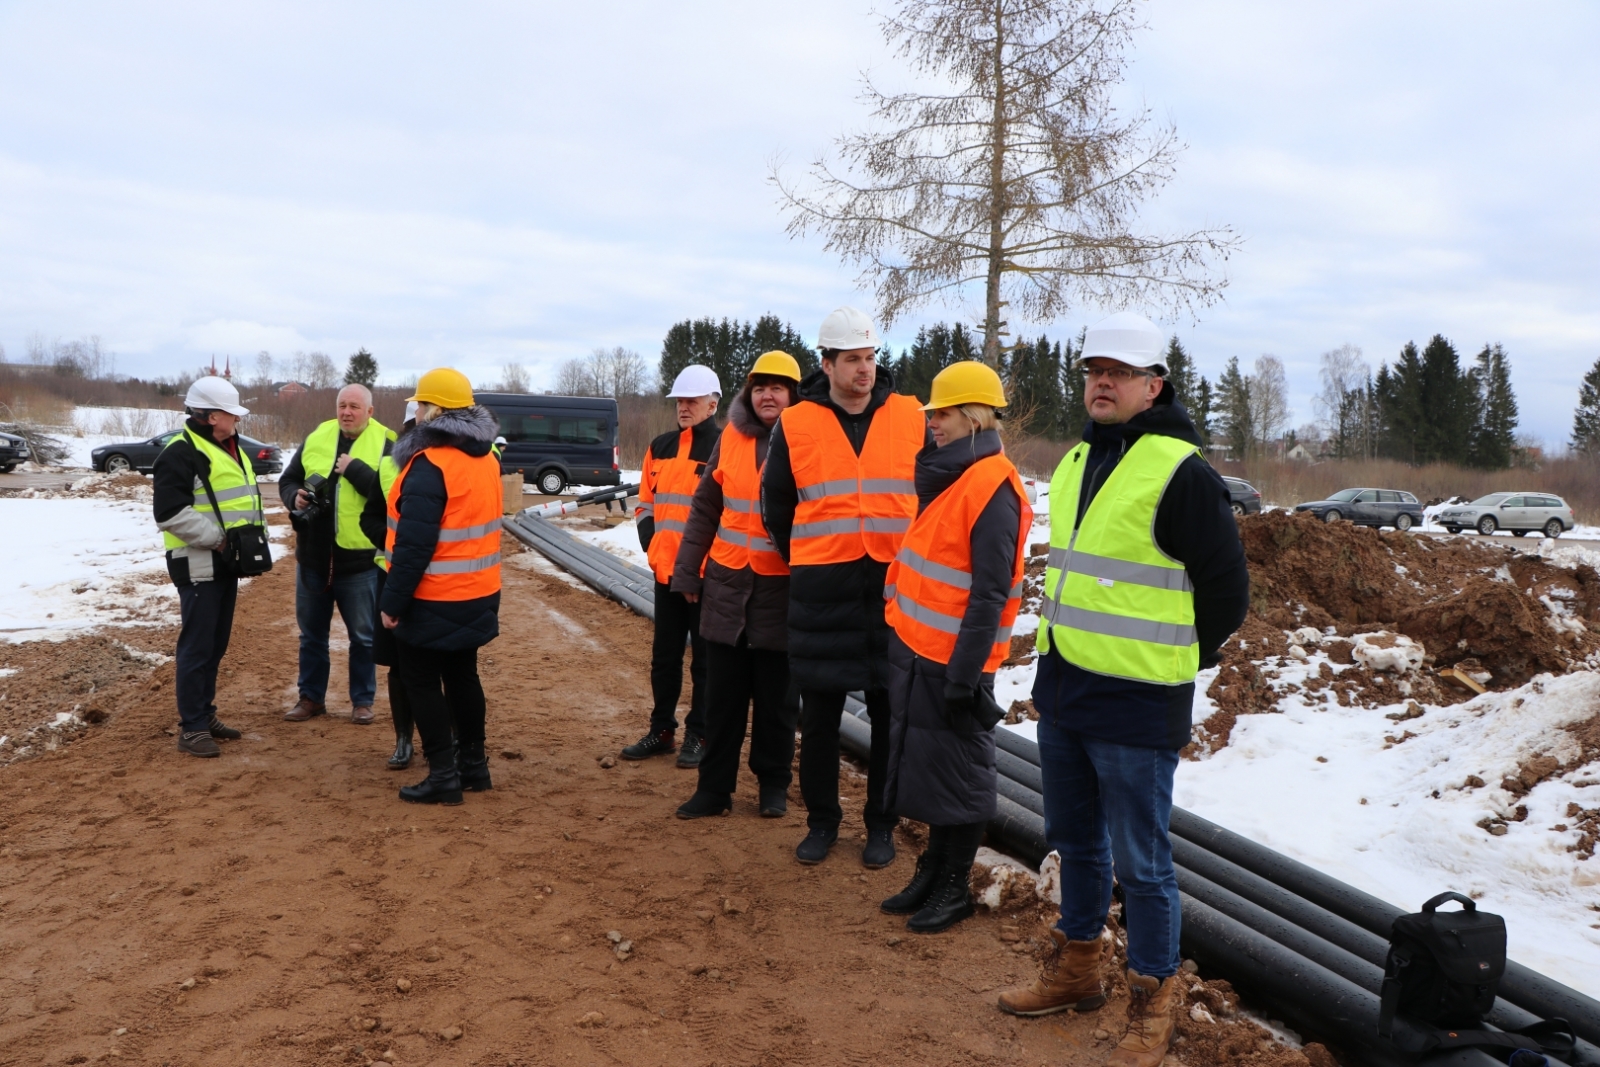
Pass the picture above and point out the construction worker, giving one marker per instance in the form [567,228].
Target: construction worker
[743,600]
[673,465]
[384,652]
[953,593]
[1146,579]
[837,498]
[204,486]
[336,548]
[442,594]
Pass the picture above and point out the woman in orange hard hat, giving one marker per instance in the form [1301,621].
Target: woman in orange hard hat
[442,595]
[743,594]
[952,596]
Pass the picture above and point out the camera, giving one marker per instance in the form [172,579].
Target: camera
[320,490]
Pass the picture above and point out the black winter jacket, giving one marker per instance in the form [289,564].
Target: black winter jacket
[732,602]
[1194,525]
[176,468]
[444,625]
[314,547]
[665,446]
[837,637]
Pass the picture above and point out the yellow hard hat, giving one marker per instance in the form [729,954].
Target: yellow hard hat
[444,386]
[967,382]
[781,364]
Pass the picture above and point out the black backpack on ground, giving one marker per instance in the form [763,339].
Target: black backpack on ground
[1441,977]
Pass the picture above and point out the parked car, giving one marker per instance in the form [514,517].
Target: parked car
[13,450]
[141,455]
[557,441]
[1517,512]
[1244,497]
[1368,507]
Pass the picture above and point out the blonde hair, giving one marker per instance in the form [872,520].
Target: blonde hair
[982,415]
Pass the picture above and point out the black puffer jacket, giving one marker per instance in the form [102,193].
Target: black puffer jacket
[732,602]
[837,637]
[943,773]
[445,625]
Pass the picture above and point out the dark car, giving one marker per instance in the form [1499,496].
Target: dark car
[1368,507]
[556,441]
[13,450]
[141,455]
[1244,497]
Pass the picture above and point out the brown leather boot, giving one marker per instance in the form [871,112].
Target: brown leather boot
[304,709]
[1152,1018]
[1070,978]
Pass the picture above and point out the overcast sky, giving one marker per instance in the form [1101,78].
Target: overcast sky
[478,182]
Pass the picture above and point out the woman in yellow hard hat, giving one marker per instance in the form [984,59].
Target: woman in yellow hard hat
[442,595]
[743,592]
[953,593]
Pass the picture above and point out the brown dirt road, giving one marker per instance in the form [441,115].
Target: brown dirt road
[262,908]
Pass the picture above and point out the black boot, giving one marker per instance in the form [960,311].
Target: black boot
[948,904]
[400,709]
[910,900]
[475,769]
[702,804]
[442,786]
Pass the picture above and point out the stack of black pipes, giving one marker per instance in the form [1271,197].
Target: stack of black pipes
[1305,946]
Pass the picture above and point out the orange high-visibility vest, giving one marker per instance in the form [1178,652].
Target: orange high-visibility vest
[741,537]
[930,579]
[852,506]
[466,561]
[665,493]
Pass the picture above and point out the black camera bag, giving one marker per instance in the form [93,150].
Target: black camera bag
[1441,977]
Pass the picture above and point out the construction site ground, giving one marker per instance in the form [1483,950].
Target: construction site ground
[279,905]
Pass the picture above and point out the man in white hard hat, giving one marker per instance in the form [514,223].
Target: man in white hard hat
[837,497]
[204,486]
[672,467]
[1145,581]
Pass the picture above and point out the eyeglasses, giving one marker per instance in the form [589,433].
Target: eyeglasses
[1116,374]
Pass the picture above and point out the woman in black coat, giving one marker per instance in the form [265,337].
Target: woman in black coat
[941,752]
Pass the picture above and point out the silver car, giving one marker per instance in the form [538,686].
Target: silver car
[1516,512]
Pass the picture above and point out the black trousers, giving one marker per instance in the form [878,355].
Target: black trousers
[740,676]
[429,675]
[677,625]
[207,612]
[819,759]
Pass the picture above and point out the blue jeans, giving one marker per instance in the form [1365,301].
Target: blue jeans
[1106,808]
[357,598]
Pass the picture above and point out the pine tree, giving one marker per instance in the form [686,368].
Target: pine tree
[1586,419]
[771,335]
[1449,405]
[1033,386]
[361,370]
[729,348]
[1181,373]
[1234,421]
[1072,416]
[1496,436]
[1399,395]
[1200,413]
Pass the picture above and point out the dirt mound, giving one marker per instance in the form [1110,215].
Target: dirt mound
[51,692]
[1517,614]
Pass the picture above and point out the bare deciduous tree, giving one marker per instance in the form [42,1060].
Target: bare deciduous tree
[264,370]
[615,372]
[1268,389]
[575,379]
[516,378]
[321,373]
[1022,177]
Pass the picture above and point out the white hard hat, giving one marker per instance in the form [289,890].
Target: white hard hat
[695,380]
[411,411]
[845,329]
[214,394]
[1127,337]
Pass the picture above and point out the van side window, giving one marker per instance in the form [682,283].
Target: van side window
[539,429]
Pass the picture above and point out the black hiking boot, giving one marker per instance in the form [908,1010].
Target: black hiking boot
[221,731]
[948,904]
[910,900]
[814,849]
[402,751]
[442,786]
[879,852]
[652,744]
[774,802]
[692,751]
[198,743]
[474,770]
[703,804]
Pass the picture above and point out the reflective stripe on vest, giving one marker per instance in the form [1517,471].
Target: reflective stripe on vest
[388,474]
[930,581]
[466,558]
[1114,603]
[232,480]
[852,506]
[742,539]
[665,492]
[318,457]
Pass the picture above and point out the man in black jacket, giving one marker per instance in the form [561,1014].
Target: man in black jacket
[336,550]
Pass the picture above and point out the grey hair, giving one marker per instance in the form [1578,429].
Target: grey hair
[357,385]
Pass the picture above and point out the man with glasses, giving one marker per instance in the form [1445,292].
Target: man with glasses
[1145,581]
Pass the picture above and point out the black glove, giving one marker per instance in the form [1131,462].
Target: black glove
[960,701]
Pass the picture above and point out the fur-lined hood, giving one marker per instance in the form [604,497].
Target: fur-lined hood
[472,430]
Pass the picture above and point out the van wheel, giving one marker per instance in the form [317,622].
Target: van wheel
[551,483]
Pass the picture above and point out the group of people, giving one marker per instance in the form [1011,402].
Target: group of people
[422,604]
[834,536]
